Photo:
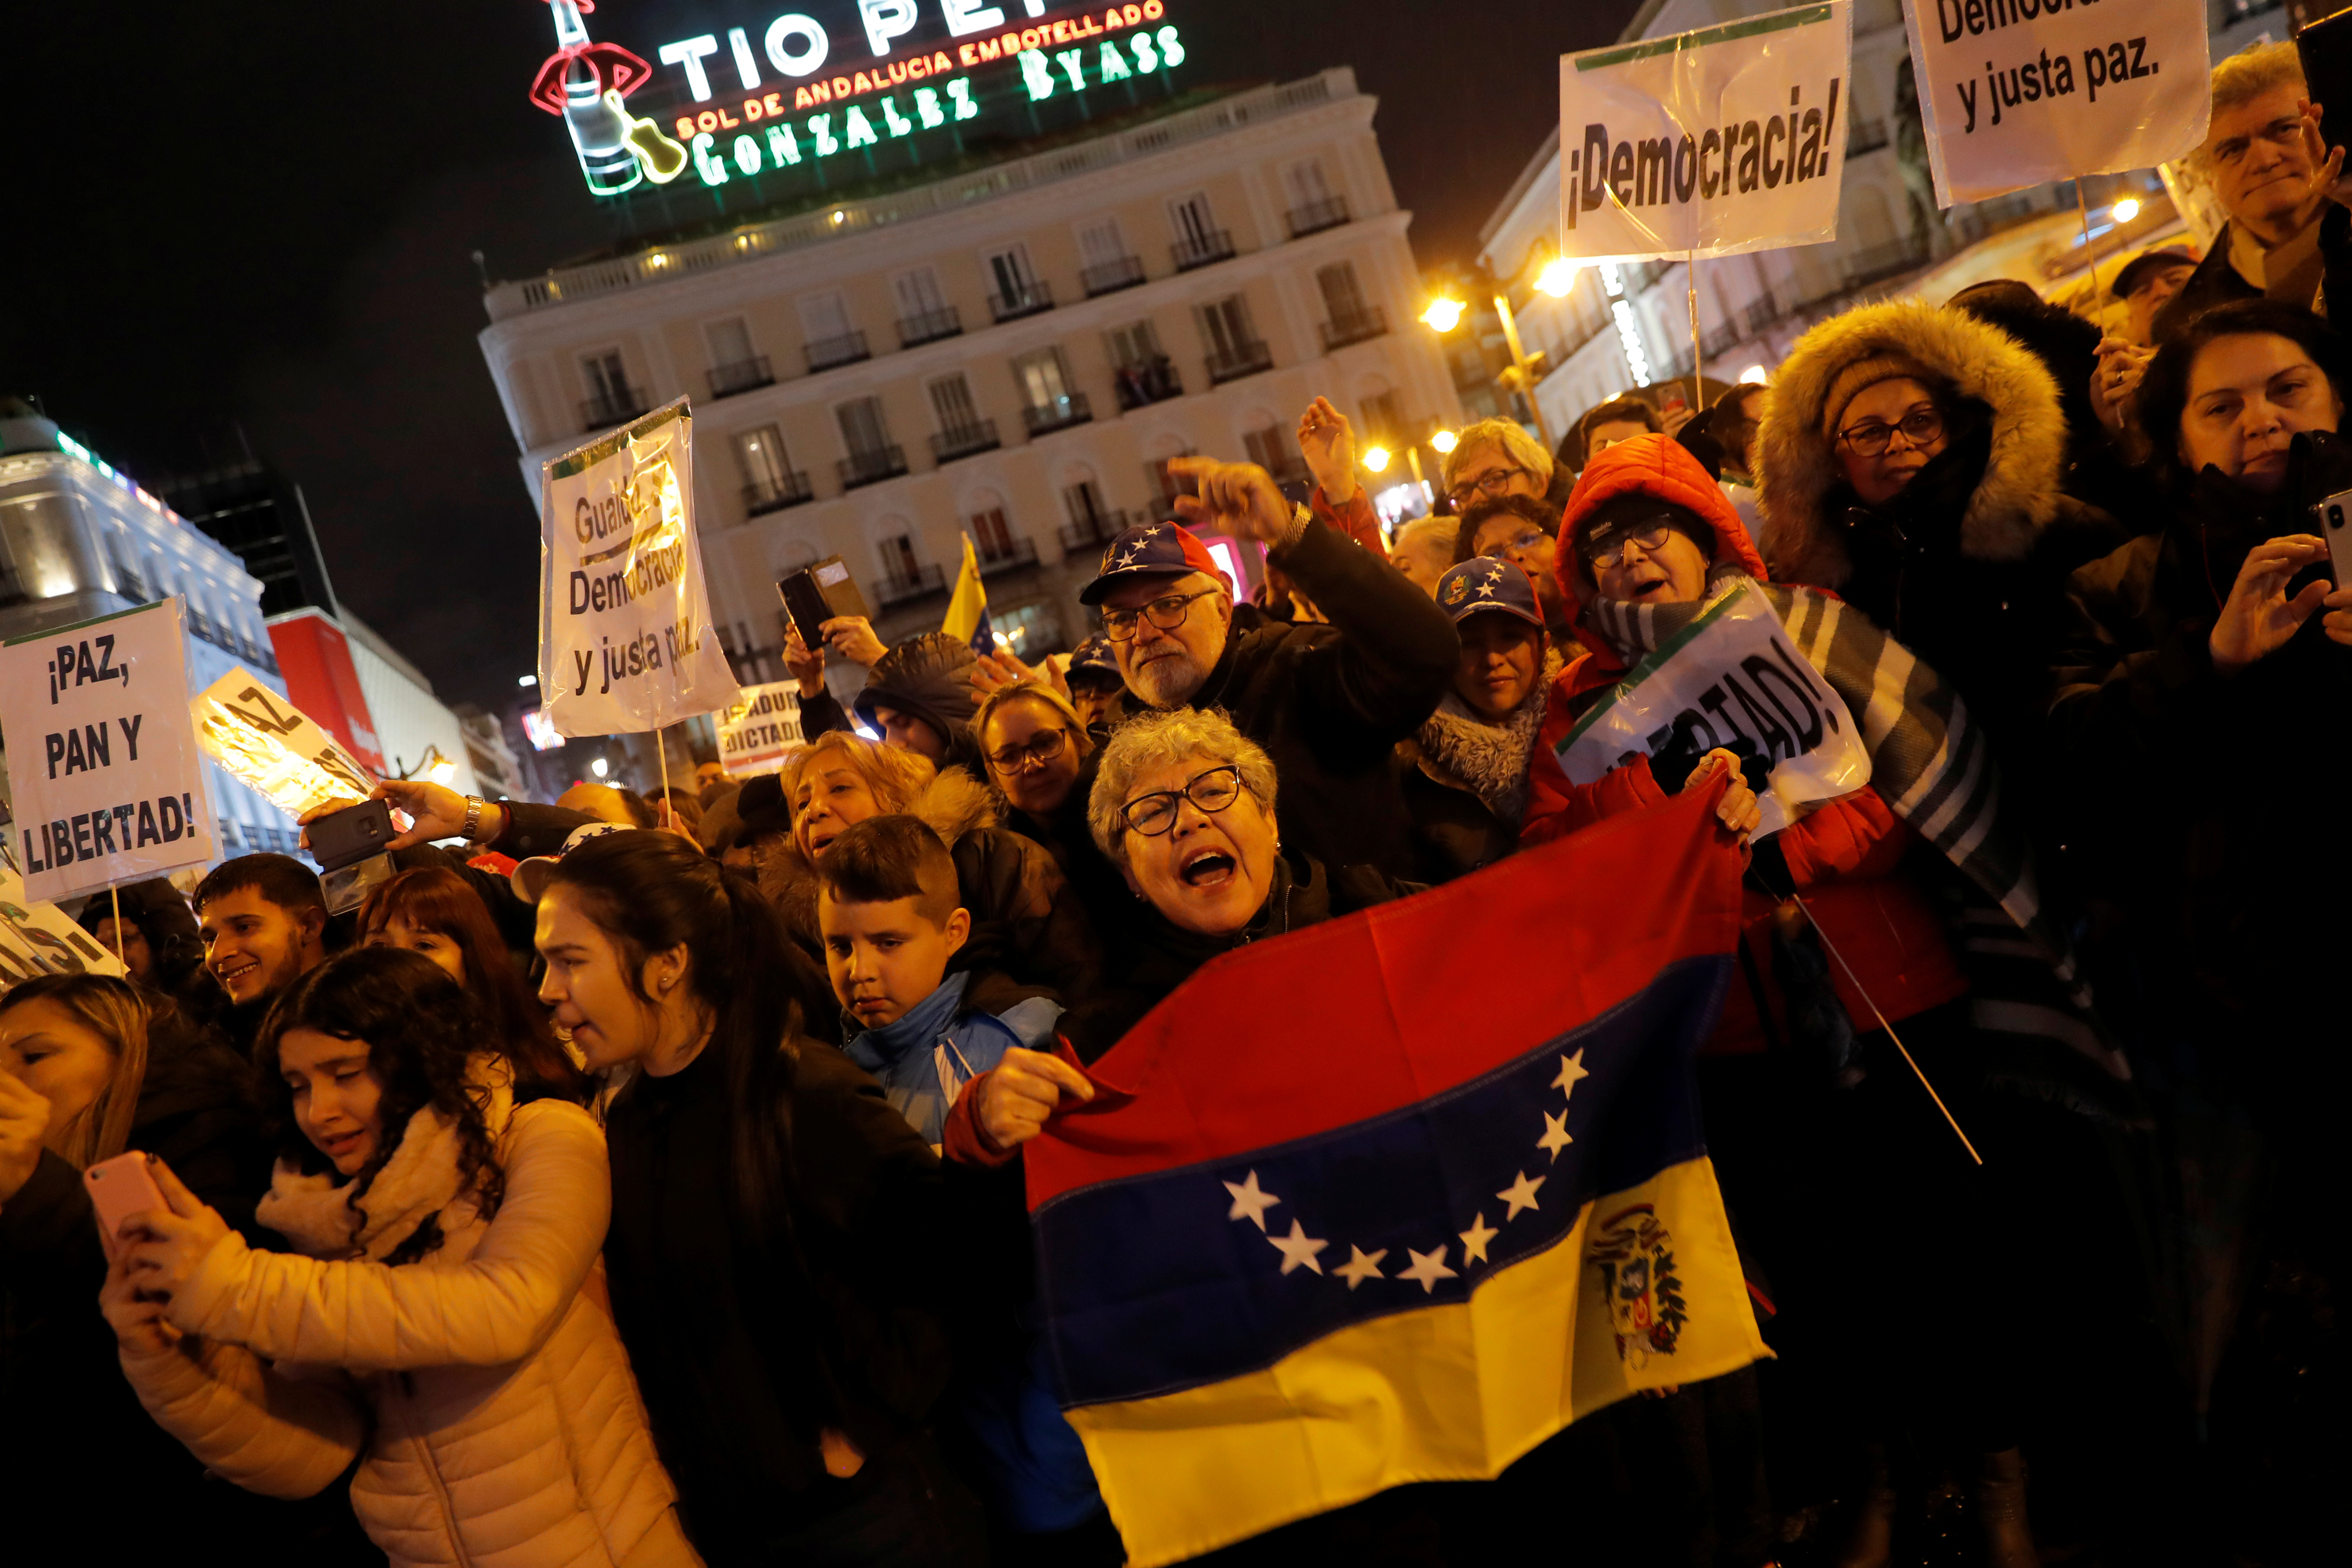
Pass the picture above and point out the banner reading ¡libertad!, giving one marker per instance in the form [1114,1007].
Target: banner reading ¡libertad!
[109,784]
[2020,92]
[1713,143]
[625,641]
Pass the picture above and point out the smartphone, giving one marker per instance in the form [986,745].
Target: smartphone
[2326,47]
[119,1188]
[818,593]
[342,837]
[2332,521]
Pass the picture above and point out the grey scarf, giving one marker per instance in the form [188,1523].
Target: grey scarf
[1489,757]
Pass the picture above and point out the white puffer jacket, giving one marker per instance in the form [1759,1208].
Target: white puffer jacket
[486,1382]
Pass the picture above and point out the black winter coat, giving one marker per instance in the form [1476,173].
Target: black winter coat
[1329,702]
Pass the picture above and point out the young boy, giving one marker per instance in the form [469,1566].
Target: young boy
[886,906]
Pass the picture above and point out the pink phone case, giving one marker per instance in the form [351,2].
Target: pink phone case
[119,1188]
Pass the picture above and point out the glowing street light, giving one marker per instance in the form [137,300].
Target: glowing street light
[526,680]
[1376,458]
[1558,277]
[597,767]
[1443,441]
[1443,315]
[1755,375]
[2127,209]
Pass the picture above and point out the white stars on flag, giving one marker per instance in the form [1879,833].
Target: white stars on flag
[1249,1201]
[1428,1267]
[1475,1240]
[1555,1137]
[1519,1195]
[1571,1069]
[1360,1266]
[1299,1248]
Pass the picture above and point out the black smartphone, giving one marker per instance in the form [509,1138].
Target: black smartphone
[344,837]
[818,593]
[2326,46]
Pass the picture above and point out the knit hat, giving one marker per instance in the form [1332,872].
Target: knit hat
[1886,364]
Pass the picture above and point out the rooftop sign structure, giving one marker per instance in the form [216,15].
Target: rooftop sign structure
[726,93]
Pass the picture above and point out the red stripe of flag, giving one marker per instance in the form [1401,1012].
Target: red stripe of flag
[1403,1001]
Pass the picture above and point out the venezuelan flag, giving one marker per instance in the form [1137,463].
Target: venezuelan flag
[968,605]
[1397,1198]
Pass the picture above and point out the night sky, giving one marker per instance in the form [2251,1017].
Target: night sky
[254,223]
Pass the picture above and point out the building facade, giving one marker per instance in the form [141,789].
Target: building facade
[1619,327]
[78,540]
[1012,354]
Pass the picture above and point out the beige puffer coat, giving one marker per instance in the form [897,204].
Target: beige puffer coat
[486,1383]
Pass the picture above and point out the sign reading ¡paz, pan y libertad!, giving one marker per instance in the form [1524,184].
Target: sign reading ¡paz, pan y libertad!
[109,783]
[2019,92]
[625,641]
[1715,142]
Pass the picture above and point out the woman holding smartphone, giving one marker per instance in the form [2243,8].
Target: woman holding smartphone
[778,1254]
[442,1319]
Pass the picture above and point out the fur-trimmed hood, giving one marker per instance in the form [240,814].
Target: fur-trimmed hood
[2013,503]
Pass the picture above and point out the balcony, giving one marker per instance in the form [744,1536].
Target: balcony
[615,405]
[1016,554]
[1356,326]
[930,326]
[727,379]
[1028,299]
[873,467]
[896,588]
[1317,217]
[965,440]
[1110,277]
[1155,381]
[1059,415]
[1086,535]
[777,492]
[1243,359]
[1202,250]
[1721,340]
[1762,311]
[824,353]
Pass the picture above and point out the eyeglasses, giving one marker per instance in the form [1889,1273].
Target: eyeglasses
[1167,614]
[1525,540]
[1493,482]
[1153,815]
[1870,438]
[1044,748]
[1604,551]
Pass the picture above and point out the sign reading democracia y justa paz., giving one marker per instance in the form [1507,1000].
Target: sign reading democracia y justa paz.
[2020,92]
[1710,142]
[626,638]
[109,784]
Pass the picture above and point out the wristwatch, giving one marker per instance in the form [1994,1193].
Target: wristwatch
[473,818]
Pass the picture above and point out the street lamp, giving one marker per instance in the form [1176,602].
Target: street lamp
[1376,458]
[2128,209]
[1443,442]
[1443,315]
[1558,277]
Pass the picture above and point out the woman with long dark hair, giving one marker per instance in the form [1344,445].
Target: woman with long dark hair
[434,912]
[447,1243]
[776,1240]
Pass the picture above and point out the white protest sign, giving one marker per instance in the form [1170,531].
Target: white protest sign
[1731,676]
[109,784]
[1713,142]
[268,743]
[626,640]
[2020,92]
[756,733]
[36,938]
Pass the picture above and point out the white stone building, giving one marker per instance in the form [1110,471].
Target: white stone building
[1012,353]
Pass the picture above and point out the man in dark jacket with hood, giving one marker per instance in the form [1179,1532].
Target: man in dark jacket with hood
[1328,701]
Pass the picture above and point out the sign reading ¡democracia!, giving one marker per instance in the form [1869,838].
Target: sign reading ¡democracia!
[108,782]
[2020,92]
[625,639]
[1710,142]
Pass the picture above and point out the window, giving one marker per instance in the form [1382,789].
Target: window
[1009,273]
[951,403]
[898,558]
[919,293]
[1270,450]
[825,316]
[1381,421]
[1031,629]
[1083,502]
[1341,298]
[761,453]
[1100,243]
[1306,184]
[1044,383]
[1225,329]
[1133,346]
[990,537]
[1194,221]
[729,340]
[861,428]
[607,383]
[1163,481]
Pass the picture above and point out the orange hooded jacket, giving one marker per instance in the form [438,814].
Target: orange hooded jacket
[1844,855]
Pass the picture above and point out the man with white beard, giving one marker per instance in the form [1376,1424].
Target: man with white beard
[1328,701]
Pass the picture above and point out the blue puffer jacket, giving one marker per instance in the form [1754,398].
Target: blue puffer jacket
[923,1061]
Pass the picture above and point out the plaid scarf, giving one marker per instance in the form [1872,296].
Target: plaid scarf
[1935,770]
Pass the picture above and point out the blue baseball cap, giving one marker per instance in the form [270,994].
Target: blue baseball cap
[1095,657]
[1488,583]
[1147,550]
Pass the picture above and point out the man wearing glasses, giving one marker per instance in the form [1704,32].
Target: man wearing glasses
[1495,457]
[2263,153]
[1328,701]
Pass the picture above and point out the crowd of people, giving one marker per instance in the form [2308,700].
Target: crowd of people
[637,1180]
